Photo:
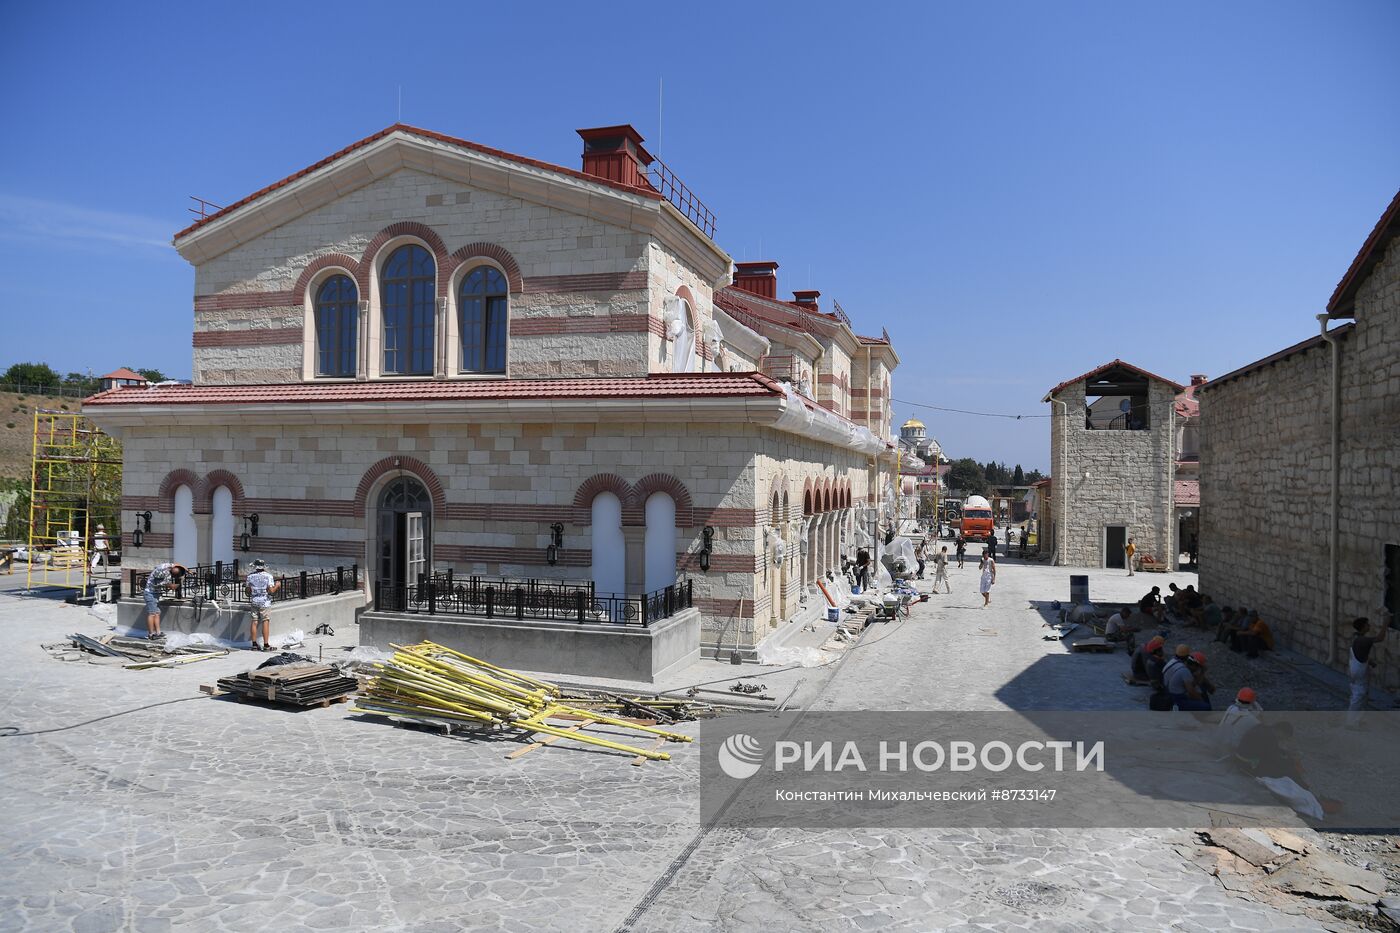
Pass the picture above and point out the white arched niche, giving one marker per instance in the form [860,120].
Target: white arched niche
[660,542]
[185,543]
[221,526]
[609,547]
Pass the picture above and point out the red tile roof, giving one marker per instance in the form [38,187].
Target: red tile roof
[1343,300]
[871,340]
[1186,492]
[124,373]
[1106,366]
[665,385]
[786,313]
[427,134]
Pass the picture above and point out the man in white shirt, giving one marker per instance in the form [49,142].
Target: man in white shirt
[100,548]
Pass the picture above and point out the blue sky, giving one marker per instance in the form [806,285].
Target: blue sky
[1018,191]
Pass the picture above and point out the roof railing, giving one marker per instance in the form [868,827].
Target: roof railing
[840,312]
[674,190]
[203,208]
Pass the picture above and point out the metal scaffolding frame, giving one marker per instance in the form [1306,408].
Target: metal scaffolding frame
[75,476]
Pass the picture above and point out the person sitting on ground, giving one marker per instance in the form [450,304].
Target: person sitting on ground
[1241,716]
[1151,601]
[1147,664]
[261,586]
[1254,638]
[1197,663]
[1182,685]
[1211,614]
[1226,626]
[162,577]
[1169,602]
[1192,604]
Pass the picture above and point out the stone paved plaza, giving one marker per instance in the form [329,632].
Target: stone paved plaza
[203,813]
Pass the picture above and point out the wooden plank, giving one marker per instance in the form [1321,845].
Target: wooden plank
[547,740]
[641,759]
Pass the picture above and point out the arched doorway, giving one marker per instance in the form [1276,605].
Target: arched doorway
[404,546]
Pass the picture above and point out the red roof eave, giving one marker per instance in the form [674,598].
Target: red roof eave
[1109,365]
[428,134]
[1342,302]
[660,386]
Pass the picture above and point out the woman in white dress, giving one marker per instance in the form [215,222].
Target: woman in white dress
[989,577]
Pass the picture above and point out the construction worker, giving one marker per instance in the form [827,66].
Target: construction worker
[162,577]
[261,586]
[1129,550]
[100,548]
[940,570]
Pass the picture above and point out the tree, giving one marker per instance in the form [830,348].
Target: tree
[151,375]
[1019,477]
[31,374]
[968,476]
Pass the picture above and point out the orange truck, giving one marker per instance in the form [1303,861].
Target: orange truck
[976,519]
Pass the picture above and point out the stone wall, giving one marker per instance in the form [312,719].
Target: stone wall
[1129,479]
[1266,473]
[314,488]
[582,305]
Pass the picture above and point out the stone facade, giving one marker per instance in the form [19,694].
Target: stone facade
[1109,478]
[598,276]
[1266,475]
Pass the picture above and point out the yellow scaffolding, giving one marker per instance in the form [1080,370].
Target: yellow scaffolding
[75,482]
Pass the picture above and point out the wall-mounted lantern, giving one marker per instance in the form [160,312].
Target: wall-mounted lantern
[138,535]
[556,543]
[250,531]
[707,548]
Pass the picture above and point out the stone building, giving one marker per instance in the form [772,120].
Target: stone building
[1113,458]
[1308,536]
[423,354]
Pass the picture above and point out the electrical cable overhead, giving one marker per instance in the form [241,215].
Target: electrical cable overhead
[963,411]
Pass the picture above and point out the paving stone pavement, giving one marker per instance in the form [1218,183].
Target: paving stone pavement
[209,814]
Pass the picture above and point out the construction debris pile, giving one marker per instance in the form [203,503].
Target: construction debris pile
[139,652]
[298,684]
[429,683]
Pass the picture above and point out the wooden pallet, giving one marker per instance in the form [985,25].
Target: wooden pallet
[302,686]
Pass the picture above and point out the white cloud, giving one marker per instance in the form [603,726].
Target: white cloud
[28,219]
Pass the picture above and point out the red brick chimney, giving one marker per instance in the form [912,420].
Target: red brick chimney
[615,153]
[757,278]
[1199,379]
[807,297]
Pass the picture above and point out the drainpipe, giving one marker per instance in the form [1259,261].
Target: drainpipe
[1332,524]
[1062,495]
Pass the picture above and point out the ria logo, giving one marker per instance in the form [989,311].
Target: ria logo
[740,756]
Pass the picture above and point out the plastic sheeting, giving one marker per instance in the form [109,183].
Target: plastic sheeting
[815,422]
[802,657]
[901,549]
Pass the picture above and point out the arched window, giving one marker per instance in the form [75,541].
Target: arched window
[184,546]
[409,291]
[482,313]
[221,526]
[608,544]
[660,569]
[337,323]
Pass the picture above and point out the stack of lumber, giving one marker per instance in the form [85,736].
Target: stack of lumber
[292,684]
[429,683]
[143,653]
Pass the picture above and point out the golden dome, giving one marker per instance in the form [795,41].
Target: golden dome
[913,423]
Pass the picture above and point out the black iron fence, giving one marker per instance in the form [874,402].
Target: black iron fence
[227,583]
[530,599]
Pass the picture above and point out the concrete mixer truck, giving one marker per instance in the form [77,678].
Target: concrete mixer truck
[976,519]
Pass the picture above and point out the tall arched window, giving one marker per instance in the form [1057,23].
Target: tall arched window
[409,292]
[221,525]
[482,314]
[337,323]
[184,546]
[660,568]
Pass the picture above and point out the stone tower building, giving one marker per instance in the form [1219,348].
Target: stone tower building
[1113,456]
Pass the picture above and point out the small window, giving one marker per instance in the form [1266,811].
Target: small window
[337,320]
[482,319]
[409,294]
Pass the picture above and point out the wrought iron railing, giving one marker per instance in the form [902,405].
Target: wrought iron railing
[531,599]
[225,583]
[674,190]
[840,312]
